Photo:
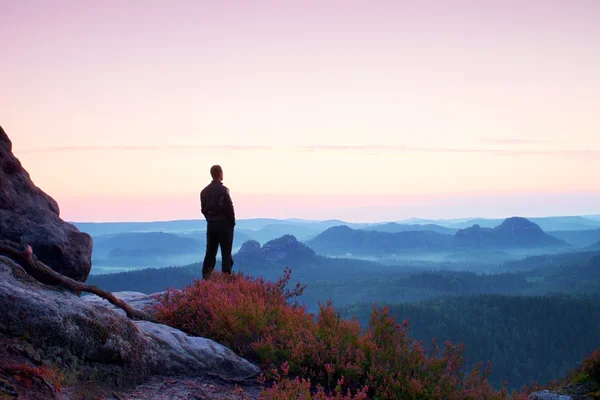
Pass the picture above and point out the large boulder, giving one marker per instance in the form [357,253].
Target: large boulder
[30,216]
[89,341]
[182,349]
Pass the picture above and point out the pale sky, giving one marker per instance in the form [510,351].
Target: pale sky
[360,110]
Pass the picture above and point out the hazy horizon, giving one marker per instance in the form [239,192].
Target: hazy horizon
[410,220]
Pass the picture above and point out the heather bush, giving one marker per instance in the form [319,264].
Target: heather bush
[238,312]
[323,357]
[591,366]
[28,375]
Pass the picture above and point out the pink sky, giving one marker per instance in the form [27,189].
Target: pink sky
[361,110]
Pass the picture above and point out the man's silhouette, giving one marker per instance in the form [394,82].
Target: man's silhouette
[217,208]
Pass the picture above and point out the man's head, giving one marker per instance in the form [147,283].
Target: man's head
[216,172]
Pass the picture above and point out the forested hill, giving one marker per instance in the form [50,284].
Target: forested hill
[526,338]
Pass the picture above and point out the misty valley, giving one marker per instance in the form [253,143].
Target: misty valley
[522,293]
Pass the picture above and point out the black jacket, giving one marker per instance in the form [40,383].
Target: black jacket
[216,203]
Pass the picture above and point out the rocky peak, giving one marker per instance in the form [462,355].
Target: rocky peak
[284,247]
[250,247]
[340,233]
[473,232]
[512,232]
[279,250]
[4,140]
[340,228]
[29,216]
[519,223]
[285,242]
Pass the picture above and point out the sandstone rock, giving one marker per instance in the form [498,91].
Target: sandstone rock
[30,216]
[137,300]
[185,352]
[547,395]
[93,342]
[194,355]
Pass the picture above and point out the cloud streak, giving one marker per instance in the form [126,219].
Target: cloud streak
[365,149]
[514,141]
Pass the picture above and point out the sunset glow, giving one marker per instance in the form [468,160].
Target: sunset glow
[359,110]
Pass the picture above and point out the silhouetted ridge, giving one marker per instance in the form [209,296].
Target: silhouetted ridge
[519,224]
[278,251]
[512,232]
[341,240]
[250,247]
[394,227]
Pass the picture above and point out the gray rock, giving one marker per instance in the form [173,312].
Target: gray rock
[137,300]
[30,216]
[185,351]
[195,355]
[97,343]
[547,395]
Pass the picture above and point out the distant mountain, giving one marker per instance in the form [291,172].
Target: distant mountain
[394,227]
[551,224]
[482,222]
[274,231]
[514,232]
[255,224]
[583,238]
[180,226]
[148,249]
[104,228]
[270,260]
[441,222]
[279,252]
[343,240]
[548,224]
[159,243]
[260,229]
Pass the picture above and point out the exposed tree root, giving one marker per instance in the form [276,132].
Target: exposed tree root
[44,274]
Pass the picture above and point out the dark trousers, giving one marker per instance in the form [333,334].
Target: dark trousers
[218,233]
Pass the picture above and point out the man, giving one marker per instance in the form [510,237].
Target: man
[217,208]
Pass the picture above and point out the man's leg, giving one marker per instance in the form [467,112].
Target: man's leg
[226,242]
[212,246]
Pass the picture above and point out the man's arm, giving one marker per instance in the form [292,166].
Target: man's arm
[228,210]
[202,203]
